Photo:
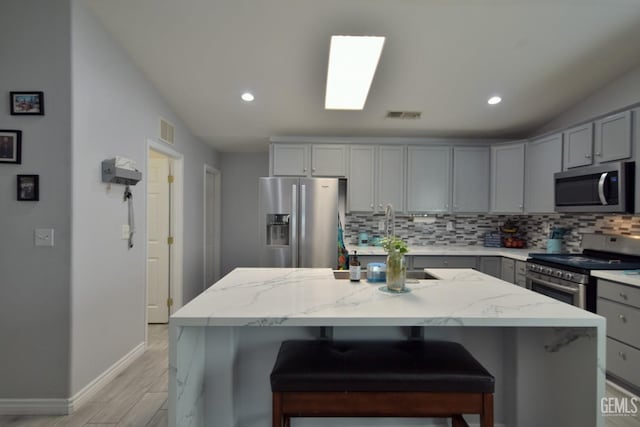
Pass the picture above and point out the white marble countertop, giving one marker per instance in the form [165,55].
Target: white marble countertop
[312,297]
[517,254]
[618,276]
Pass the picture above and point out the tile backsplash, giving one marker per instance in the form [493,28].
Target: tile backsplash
[470,229]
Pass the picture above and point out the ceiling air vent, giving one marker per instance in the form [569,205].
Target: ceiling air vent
[405,115]
[166,131]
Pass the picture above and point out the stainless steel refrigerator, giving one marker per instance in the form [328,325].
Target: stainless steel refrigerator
[298,222]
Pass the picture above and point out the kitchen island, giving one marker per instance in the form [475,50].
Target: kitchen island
[547,356]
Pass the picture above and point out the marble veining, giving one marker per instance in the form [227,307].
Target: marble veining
[565,336]
[312,297]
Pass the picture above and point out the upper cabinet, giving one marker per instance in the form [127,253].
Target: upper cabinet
[605,140]
[361,179]
[428,178]
[544,158]
[578,146]
[326,160]
[375,178]
[290,160]
[507,178]
[471,178]
[391,173]
[613,137]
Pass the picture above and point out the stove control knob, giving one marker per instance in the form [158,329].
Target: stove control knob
[568,276]
[559,273]
[548,271]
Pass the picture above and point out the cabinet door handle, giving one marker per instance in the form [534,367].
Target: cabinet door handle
[623,296]
[313,169]
[622,355]
[621,317]
[304,169]
[371,205]
[598,154]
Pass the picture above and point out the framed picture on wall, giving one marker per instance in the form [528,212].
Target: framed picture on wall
[28,188]
[27,103]
[10,146]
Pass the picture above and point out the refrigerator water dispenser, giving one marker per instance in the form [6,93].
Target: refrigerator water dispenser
[278,229]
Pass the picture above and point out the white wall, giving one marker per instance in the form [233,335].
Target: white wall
[240,173]
[115,110]
[617,94]
[34,281]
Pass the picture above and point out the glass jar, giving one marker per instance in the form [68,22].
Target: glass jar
[396,271]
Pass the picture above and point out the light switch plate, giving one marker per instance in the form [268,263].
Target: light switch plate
[125,232]
[43,236]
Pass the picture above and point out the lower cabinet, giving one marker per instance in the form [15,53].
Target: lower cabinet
[420,262]
[491,265]
[620,305]
[521,274]
[508,270]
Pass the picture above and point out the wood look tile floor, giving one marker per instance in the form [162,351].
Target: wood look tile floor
[138,396]
[135,398]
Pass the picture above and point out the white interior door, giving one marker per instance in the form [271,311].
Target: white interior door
[211,226]
[158,211]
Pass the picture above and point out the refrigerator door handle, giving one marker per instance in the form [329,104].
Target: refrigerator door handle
[294,226]
[303,222]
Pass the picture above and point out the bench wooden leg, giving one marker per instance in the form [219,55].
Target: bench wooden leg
[458,421]
[486,418]
[287,421]
[276,412]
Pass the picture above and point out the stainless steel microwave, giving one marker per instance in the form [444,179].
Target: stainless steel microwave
[603,188]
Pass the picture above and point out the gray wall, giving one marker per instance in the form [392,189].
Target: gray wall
[34,283]
[115,110]
[240,173]
[619,93]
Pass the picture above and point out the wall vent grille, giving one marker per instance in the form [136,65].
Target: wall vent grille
[166,131]
[405,115]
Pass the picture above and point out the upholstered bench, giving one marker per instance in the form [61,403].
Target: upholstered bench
[326,378]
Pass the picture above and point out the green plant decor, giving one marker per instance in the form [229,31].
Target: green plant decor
[396,262]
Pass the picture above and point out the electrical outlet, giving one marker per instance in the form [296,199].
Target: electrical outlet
[381,225]
[450,226]
[43,236]
[125,232]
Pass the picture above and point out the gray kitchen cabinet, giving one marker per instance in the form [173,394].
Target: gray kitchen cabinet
[428,178]
[544,158]
[508,270]
[507,178]
[290,160]
[391,173]
[471,179]
[578,146]
[366,259]
[328,160]
[361,178]
[613,137]
[437,261]
[521,274]
[620,305]
[491,265]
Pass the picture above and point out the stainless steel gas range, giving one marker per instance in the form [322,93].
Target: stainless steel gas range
[567,277]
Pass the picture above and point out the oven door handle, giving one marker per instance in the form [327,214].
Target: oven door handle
[572,291]
[603,179]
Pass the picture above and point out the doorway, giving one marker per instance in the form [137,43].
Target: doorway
[212,213]
[159,178]
[164,190]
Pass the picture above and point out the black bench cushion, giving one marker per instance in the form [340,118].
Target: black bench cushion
[427,366]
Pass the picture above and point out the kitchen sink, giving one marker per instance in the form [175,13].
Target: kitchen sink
[411,275]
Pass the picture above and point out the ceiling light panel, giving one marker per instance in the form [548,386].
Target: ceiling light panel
[352,64]
[494,100]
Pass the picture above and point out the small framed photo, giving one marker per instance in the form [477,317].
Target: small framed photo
[10,146]
[28,188]
[27,103]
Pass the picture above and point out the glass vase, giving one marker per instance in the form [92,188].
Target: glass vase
[396,271]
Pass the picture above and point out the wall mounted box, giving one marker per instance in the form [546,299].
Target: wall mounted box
[115,175]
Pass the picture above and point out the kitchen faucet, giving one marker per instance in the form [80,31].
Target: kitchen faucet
[389,221]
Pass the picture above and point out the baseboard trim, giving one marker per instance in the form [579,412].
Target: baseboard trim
[91,389]
[34,406]
[68,406]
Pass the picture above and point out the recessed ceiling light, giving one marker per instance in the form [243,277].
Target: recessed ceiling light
[247,96]
[352,63]
[494,100]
